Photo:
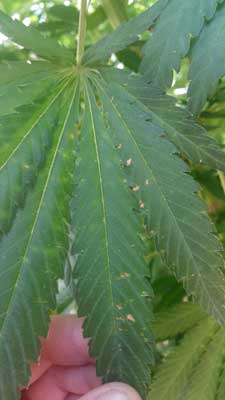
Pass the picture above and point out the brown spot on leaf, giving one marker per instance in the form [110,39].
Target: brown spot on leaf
[141,204]
[128,162]
[130,318]
[124,275]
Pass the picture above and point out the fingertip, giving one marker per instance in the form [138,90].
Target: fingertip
[72,397]
[112,391]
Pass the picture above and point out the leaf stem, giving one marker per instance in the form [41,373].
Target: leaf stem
[222,179]
[81,31]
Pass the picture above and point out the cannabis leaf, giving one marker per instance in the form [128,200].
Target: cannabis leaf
[221,390]
[174,375]
[112,288]
[91,161]
[204,382]
[192,370]
[21,83]
[124,35]
[189,137]
[191,250]
[176,320]
[171,37]
[27,118]
[205,71]
[32,254]
[31,39]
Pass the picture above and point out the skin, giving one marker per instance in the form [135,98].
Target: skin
[66,372]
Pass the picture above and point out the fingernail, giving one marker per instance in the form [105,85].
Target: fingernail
[113,395]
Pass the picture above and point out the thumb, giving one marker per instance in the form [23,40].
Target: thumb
[112,391]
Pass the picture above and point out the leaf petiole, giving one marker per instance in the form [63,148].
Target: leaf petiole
[81,31]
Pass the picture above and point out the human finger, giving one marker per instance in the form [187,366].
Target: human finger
[37,370]
[45,388]
[59,381]
[65,344]
[77,380]
[111,391]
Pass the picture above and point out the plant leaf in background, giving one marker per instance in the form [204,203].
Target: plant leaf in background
[171,37]
[124,35]
[176,371]
[208,371]
[205,71]
[59,20]
[192,369]
[115,11]
[31,39]
[176,320]
[221,386]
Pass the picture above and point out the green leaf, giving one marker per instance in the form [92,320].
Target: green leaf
[173,376]
[124,35]
[170,40]
[59,20]
[175,320]
[204,381]
[115,11]
[167,193]
[205,71]
[32,256]
[27,118]
[55,29]
[22,83]
[221,390]
[68,14]
[11,72]
[112,289]
[168,292]
[31,39]
[96,18]
[189,137]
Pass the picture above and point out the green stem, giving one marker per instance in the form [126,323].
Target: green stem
[222,179]
[81,31]
[115,11]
